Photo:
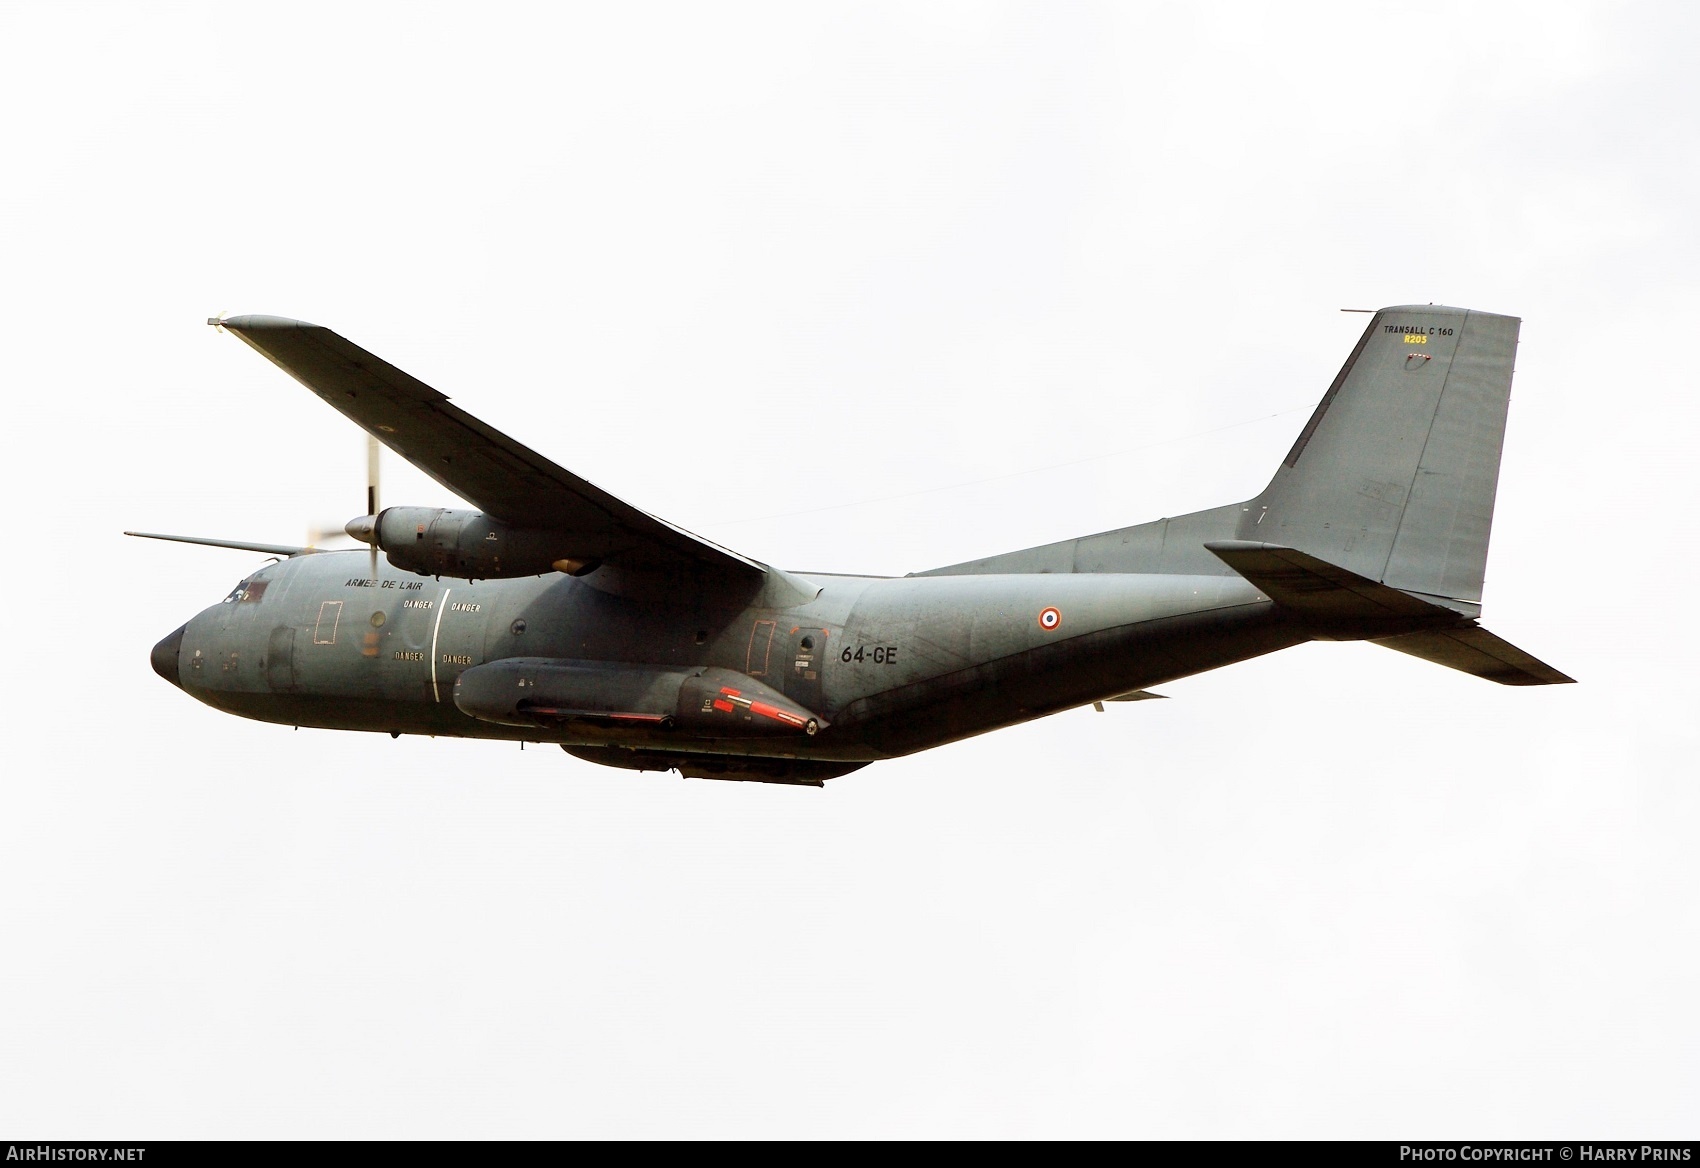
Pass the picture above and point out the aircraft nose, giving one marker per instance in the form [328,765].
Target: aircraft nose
[164,657]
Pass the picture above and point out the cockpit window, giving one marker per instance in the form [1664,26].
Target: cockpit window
[247,592]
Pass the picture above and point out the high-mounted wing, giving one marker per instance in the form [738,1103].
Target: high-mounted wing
[485,467]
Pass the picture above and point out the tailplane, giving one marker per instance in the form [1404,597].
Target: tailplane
[1333,604]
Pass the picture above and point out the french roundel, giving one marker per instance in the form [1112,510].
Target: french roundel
[1050,619]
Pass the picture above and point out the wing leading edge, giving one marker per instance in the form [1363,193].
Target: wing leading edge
[494,473]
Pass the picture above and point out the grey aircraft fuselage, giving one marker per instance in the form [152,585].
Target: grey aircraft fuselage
[892,665]
[559,613]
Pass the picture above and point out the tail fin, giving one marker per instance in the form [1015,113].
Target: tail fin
[1394,476]
[1392,479]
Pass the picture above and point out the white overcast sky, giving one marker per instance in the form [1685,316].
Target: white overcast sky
[803,278]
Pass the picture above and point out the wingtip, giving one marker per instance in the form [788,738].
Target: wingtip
[260,323]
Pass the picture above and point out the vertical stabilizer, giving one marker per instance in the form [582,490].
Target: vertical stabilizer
[1394,475]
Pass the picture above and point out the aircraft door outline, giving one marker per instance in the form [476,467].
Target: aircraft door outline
[280,660]
[323,634]
[761,646]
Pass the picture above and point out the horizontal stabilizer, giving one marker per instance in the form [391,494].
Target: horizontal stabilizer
[1475,650]
[1334,604]
[1330,601]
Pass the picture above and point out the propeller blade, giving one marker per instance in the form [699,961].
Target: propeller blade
[372,449]
[372,492]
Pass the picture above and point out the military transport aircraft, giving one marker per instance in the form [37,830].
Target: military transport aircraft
[555,612]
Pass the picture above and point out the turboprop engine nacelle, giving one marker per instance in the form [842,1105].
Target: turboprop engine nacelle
[469,545]
[705,700]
